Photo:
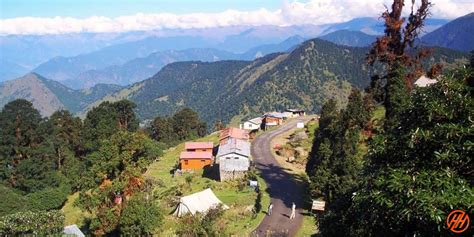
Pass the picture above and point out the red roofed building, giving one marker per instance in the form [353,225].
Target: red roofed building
[198,146]
[195,160]
[233,133]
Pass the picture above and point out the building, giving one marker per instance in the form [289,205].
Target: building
[272,119]
[253,124]
[198,146]
[233,159]
[195,160]
[296,112]
[232,134]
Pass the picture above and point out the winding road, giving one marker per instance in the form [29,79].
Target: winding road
[283,189]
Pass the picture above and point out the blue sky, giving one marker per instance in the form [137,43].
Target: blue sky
[114,8]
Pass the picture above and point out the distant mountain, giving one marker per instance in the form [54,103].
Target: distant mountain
[457,34]
[141,68]
[49,96]
[74,72]
[68,68]
[375,25]
[349,38]
[263,50]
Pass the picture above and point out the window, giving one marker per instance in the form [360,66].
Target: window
[186,162]
[202,161]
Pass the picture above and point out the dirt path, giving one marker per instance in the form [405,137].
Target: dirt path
[283,189]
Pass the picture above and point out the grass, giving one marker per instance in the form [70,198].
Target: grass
[237,219]
[72,213]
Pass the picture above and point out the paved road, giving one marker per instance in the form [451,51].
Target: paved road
[282,188]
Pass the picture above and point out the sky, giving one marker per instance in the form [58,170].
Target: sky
[71,16]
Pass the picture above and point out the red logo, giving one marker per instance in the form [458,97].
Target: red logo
[458,221]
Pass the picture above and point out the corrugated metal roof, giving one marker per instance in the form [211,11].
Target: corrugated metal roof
[257,120]
[274,115]
[195,155]
[234,146]
[198,145]
[241,164]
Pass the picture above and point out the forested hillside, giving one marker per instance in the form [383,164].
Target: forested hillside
[457,34]
[312,73]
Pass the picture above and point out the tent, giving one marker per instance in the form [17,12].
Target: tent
[198,202]
[73,230]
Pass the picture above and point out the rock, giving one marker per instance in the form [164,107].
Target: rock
[299,136]
[301,152]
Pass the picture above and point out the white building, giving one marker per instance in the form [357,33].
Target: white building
[233,159]
[253,124]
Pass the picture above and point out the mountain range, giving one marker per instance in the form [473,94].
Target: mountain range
[229,90]
[80,52]
[457,34]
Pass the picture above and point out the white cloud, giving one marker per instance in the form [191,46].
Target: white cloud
[291,13]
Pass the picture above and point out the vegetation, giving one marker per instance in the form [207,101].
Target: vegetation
[32,223]
[183,125]
[43,160]
[417,167]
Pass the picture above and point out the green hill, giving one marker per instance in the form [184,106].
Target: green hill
[305,78]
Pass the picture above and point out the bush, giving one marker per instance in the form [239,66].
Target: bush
[36,223]
[48,198]
[140,217]
[11,201]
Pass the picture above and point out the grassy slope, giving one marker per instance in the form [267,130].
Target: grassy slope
[236,220]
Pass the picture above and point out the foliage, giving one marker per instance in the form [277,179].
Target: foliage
[116,170]
[183,125]
[419,165]
[201,225]
[106,119]
[12,201]
[141,216]
[48,198]
[419,174]
[36,223]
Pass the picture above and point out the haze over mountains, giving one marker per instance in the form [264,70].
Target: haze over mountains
[72,54]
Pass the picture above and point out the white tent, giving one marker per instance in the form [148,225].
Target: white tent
[198,202]
[73,230]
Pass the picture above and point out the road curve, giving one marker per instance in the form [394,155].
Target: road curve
[282,188]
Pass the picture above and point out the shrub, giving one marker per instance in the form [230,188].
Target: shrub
[48,198]
[140,217]
[11,201]
[36,223]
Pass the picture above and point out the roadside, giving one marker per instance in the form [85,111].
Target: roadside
[283,187]
[297,166]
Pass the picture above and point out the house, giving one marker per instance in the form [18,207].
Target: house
[198,146]
[296,112]
[253,124]
[195,160]
[272,119]
[233,159]
[198,202]
[233,133]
